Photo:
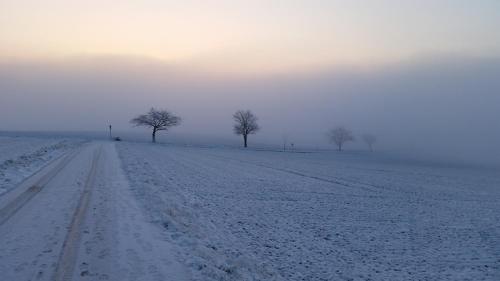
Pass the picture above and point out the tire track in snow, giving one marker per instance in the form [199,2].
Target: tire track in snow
[22,199]
[69,252]
[342,182]
[356,184]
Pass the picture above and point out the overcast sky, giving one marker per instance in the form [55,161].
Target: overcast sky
[418,74]
[259,35]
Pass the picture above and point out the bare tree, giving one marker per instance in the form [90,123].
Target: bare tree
[339,136]
[158,120]
[369,140]
[246,124]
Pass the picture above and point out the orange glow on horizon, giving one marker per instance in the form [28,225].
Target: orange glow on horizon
[256,36]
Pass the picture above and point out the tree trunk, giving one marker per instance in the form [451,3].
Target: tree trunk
[340,147]
[153,136]
[245,139]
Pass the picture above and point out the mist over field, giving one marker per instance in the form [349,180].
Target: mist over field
[444,107]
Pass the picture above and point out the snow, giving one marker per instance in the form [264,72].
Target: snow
[32,238]
[118,243]
[169,212]
[111,241]
[262,215]
[20,157]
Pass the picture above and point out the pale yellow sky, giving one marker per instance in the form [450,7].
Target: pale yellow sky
[249,34]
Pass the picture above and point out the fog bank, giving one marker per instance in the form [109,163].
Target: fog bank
[440,107]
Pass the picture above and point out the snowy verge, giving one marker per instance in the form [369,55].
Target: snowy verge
[22,157]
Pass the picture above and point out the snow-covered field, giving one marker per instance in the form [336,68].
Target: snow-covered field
[22,156]
[262,215]
[192,213]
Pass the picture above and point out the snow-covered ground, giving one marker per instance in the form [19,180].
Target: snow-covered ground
[22,156]
[262,215]
[164,212]
[76,219]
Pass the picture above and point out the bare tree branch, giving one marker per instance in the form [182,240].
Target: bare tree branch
[158,120]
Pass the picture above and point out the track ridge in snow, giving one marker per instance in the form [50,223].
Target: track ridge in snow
[19,201]
[343,182]
[69,252]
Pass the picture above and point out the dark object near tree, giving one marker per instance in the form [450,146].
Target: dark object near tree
[117,139]
[339,136]
[158,120]
[246,124]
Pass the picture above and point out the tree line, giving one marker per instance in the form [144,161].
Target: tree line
[245,124]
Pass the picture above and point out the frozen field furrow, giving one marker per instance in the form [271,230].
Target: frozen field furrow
[257,215]
[368,170]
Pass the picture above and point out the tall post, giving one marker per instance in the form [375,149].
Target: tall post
[110,135]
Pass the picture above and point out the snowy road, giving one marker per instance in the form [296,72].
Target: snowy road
[76,220]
